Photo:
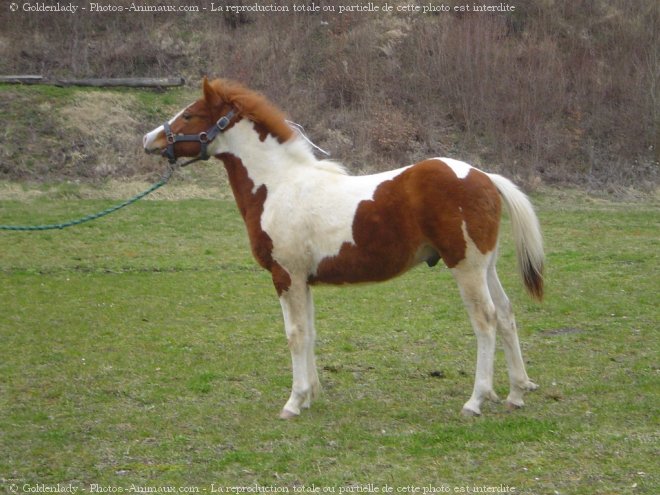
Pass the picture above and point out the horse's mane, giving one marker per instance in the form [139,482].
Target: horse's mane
[254,106]
[259,109]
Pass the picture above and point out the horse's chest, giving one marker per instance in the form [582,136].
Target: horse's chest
[306,228]
[339,220]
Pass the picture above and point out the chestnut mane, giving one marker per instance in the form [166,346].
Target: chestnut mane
[254,106]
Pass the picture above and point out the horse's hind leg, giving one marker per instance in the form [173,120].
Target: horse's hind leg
[470,274]
[312,374]
[506,324]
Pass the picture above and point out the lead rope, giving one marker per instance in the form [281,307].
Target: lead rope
[167,175]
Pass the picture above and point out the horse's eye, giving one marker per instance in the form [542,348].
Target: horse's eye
[186,116]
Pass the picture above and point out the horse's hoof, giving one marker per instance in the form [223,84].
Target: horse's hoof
[530,386]
[286,414]
[469,413]
[512,406]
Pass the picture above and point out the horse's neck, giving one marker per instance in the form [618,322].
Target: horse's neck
[247,194]
[265,160]
[264,156]
[251,177]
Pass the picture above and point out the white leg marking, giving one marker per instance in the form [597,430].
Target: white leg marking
[297,308]
[506,324]
[312,373]
[470,275]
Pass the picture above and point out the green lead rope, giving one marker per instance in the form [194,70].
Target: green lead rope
[164,180]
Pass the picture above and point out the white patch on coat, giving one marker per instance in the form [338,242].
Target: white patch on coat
[461,169]
[150,138]
[310,205]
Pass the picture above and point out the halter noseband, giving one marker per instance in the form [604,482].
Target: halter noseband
[203,138]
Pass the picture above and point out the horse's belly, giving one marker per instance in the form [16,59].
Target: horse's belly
[383,247]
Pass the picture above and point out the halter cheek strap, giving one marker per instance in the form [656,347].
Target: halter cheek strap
[203,138]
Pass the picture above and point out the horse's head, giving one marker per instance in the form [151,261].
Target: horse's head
[192,131]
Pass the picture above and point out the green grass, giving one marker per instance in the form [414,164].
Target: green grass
[147,348]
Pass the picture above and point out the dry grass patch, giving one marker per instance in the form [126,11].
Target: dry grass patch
[107,133]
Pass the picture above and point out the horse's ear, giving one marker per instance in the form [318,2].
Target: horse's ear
[210,95]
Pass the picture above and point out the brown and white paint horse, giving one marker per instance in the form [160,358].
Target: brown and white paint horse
[309,222]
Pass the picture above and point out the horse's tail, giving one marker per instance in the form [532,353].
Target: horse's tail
[526,234]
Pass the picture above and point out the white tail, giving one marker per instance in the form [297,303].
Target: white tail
[526,234]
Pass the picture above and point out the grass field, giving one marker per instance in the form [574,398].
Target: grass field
[147,350]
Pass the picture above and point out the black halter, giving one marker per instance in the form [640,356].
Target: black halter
[203,138]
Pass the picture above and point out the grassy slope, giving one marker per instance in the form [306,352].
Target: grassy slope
[54,134]
[564,92]
[148,348]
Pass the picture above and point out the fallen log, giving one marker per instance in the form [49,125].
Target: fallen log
[131,82]
[22,79]
[100,82]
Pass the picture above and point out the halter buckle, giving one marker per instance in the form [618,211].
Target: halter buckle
[223,122]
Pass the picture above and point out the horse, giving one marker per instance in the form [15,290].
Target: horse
[310,222]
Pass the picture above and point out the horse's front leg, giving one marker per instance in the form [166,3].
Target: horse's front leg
[298,312]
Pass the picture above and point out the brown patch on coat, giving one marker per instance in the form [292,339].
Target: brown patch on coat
[421,210]
[281,278]
[251,207]
[484,210]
